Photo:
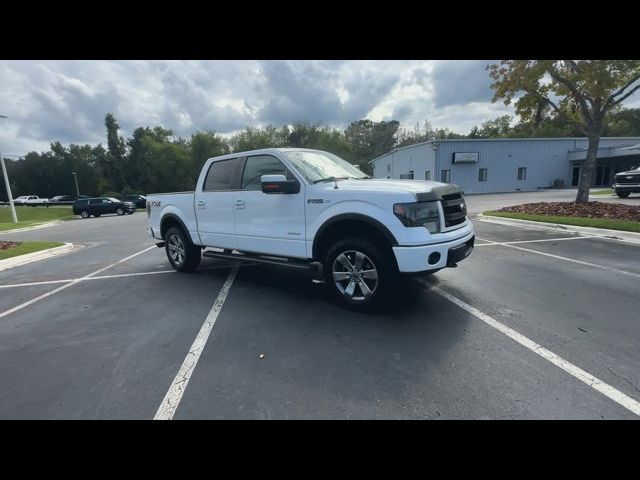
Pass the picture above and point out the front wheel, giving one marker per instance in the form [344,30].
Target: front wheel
[182,254]
[85,214]
[359,273]
[622,194]
[120,211]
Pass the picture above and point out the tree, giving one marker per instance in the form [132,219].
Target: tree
[113,164]
[580,91]
[370,139]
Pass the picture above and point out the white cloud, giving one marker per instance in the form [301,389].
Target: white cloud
[66,101]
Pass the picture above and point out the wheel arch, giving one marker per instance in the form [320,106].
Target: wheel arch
[172,220]
[350,224]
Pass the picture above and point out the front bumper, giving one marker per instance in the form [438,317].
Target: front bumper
[434,257]
[626,187]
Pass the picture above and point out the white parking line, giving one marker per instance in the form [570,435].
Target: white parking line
[531,241]
[595,383]
[121,275]
[73,282]
[566,259]
[172,399]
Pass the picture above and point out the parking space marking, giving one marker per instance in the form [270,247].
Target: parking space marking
[580,262]
[73,282]
[492,243]
[172,399]
[595,383]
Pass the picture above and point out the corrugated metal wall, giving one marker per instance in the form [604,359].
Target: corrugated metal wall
[544,159]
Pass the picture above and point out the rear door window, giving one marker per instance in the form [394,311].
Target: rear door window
[219,175]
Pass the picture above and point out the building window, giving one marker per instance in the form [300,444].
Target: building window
[411,174]
[482,175]
[407,176]
[427,175]
[445,176]
[522,173]
[388,168]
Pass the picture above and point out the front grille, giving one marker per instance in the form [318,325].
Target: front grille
[454,209]
[622,179]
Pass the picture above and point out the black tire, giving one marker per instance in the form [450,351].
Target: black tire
[85,214]
[622,194]
[365,257]
[120,211]
[182,254]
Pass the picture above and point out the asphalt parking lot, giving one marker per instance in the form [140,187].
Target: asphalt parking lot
[534,324]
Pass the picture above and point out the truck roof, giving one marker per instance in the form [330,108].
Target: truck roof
[261,151]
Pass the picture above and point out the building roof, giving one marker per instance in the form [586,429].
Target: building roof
[519,139]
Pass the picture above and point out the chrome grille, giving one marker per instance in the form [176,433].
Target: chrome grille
[454,209]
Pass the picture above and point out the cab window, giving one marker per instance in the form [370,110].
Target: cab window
[219,175]
[259,165]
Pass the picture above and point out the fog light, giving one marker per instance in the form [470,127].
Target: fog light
[434,258]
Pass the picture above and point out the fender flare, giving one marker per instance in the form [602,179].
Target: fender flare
[173,216]
[386,233]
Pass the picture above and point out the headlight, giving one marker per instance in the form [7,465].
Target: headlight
[419,214]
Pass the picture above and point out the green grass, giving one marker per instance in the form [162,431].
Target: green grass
[610,223]
[29,216]
[606,191]
[27,247]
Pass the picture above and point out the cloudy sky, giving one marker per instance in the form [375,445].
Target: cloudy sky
[67,100]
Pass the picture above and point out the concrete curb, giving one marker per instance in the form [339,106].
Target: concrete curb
[33,227]
[630,237]
[35,256]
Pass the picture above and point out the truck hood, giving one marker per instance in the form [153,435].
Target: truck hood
[426,189]
[629,172]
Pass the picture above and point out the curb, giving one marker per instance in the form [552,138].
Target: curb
[35,256]
[33,227]
[631,237]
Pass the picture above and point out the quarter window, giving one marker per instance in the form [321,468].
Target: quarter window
[219,175]
[262,165]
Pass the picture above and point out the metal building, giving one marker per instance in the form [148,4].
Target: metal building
[507,164]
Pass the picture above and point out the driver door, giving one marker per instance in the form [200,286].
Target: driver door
[271,224]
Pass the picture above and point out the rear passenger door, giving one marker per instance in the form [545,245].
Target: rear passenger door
[214,206]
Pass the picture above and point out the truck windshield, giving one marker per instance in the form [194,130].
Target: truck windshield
[316,166]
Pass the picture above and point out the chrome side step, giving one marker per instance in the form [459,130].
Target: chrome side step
[315,267]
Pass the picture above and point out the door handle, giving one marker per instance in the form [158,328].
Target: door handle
[239,203]
[201,203]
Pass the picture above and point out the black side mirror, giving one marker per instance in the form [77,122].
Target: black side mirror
[279,184]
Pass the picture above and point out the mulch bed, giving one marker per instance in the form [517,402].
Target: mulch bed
[6,245]
[616,211]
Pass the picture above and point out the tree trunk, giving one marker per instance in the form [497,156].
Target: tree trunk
[588,168]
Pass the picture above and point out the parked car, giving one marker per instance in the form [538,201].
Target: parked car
[626,183]
[30,200]
[312,210]
[63,199]
[96,206]
[139,200]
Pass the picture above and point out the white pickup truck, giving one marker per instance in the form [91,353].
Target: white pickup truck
[311,209]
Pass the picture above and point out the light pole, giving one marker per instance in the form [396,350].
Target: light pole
[6,182]
[75,176]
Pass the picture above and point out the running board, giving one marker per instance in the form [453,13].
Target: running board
[315,267]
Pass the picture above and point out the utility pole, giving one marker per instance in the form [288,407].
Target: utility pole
[6,182]
[75,176]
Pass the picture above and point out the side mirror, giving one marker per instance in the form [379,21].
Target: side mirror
[279,184]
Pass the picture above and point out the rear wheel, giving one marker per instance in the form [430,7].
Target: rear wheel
[120,211]
[359,273]
[622,194]
[84,214]
[182,254]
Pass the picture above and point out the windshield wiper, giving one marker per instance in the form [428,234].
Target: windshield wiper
[330,179]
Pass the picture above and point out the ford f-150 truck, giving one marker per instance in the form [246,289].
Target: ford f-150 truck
[311,209]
